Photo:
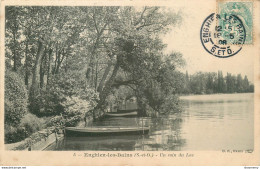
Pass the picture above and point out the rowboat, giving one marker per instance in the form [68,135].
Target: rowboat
[105,131]
[123,113]
[115,114]
[127,111]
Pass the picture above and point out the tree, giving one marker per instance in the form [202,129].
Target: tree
[15,98]
[245,84]
[239,84]
[230,83]
[221,86]
[13,35]
[210,83]
[186,88]
[34,95]
[130,51]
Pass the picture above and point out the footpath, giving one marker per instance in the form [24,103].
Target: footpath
[38,141]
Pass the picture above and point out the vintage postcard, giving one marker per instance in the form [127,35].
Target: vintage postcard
[167,82]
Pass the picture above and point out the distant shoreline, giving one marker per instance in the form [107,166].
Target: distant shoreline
[211,94]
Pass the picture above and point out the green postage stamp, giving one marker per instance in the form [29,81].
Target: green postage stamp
[242,10]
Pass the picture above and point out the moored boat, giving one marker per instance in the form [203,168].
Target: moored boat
[114,114]
[127,111]
[107,131]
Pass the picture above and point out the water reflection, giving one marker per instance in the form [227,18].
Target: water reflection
[206,123]
[223,121]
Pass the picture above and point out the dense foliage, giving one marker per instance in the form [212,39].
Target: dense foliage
[16,98]
[28,125]
[93,50]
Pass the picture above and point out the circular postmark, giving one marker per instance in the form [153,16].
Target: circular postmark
[222,36]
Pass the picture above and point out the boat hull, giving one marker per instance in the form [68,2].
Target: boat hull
[73,131]
[127,111]
[130,114]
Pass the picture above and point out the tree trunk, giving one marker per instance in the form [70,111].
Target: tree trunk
[61,57]
[92,75]
[14,52]
[104,77]
[42,68]
[58,63]
[105,92]
[56,60]
[96,75]
[49,66]
[27,72]
[141,106]
[91,60]
[35,88]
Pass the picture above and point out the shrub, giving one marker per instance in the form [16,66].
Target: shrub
[171,105]
[62,87]
[32,123]
[75,106]
[15,98]
[29,124]
[68,121]
[73,121]
[14,134]
[75,109]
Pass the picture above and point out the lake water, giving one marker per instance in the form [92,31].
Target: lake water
[208,122]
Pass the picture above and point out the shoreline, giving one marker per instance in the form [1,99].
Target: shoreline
[40,140]
[205,94]
[46,137]
[36,144]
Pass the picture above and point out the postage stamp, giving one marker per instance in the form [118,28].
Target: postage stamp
[223,34]
[220,41]
[243,10]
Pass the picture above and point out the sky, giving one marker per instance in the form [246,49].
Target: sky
[185,38]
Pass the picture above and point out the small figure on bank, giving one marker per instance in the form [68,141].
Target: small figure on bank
[85,120]
[29,144]
[62,123]
[56,131]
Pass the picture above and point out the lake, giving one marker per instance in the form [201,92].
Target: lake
[207,122]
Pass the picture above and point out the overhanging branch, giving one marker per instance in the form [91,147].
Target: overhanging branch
[118,83]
